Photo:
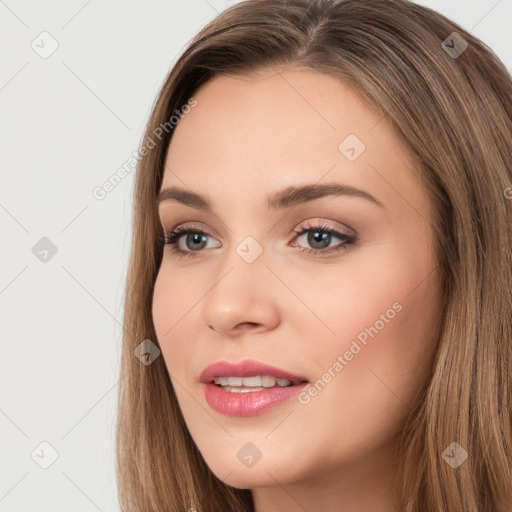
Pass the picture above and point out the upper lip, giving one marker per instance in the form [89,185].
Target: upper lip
[246,368]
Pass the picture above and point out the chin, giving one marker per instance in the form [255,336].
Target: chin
[249,478]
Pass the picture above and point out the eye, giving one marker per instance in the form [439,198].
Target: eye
[196,241]
[319,237]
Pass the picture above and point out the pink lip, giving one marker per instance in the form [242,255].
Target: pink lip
[245,368]
[251,403]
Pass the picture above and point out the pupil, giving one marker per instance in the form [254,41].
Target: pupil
[197,239]
[319,236]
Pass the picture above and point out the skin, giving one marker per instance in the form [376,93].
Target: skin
[246,138]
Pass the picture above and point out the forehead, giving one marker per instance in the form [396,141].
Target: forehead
[272,113]
[281,127]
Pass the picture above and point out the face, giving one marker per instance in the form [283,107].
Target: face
[338,286]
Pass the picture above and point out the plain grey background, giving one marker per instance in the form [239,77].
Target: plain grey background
[69,120]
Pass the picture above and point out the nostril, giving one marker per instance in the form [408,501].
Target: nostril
[246,324]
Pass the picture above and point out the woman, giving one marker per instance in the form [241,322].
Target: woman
[322,255]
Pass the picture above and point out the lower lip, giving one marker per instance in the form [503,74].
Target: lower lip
[250,403]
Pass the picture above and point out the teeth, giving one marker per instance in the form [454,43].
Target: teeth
[252,381]
[258,381]
[268,381]
[236,389]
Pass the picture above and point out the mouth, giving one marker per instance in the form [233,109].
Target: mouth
[248,388]
[252,384]
[248,373]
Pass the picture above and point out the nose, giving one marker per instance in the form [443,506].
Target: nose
[244,299]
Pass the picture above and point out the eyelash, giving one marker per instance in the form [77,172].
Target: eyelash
[173,239]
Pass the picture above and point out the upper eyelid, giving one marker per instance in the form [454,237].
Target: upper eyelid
[309,224]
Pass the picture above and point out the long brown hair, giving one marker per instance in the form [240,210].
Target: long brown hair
[449,98]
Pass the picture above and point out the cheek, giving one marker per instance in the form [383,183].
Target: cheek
[162,310]
[171,307]
[386,318]
[338,302]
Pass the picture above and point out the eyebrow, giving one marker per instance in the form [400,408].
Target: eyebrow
[286,198]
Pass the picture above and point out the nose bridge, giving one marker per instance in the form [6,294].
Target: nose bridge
[243,269]
[246,246]
[242,292]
